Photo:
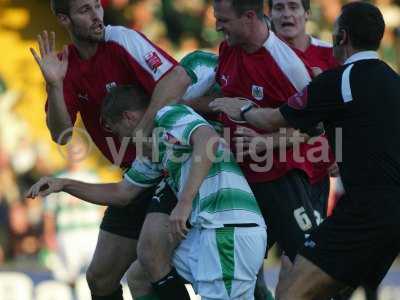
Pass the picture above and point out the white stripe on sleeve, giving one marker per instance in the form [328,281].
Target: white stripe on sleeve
[288,61]
[143,52]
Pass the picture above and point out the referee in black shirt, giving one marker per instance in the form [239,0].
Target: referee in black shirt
[361,101]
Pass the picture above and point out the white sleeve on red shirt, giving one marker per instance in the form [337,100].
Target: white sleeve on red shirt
[320,43]
[289,62]
[148,56]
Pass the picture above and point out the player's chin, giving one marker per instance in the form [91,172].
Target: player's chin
[288,32]
[96,37]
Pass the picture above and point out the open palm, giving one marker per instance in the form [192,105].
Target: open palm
[53,68]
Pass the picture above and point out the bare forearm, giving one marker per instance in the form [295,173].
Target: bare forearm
[200,104]
[169,90]
[58,119]
[101,194]
[266,118]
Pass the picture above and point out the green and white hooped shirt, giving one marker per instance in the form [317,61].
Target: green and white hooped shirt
[224,197]
[201,67]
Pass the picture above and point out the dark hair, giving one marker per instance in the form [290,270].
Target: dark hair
[60,6]
[241,6]
[305,3]
[124,98]
[364,24]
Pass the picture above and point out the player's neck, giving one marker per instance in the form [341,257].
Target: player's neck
[86,50]
[300,42]
[258,38]
[349,52]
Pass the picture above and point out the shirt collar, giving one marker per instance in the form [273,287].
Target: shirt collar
[363,55]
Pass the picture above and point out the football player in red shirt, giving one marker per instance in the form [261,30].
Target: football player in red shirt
[77,80]
[289,18]
[254,63]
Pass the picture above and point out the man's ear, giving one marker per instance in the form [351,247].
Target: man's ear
[342,38]
[126,115]
[345,37]
[250,15]
[63,19]
[308,15]
[129,115]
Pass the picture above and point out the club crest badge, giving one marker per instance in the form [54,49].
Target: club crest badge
[110,86]
[257,92]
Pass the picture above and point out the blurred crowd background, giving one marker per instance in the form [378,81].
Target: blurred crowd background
[28,228]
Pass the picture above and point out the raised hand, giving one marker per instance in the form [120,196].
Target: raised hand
[45,187]
[53,68]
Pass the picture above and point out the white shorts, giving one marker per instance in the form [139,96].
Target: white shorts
[222,263]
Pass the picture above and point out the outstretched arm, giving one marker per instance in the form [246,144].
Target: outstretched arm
[117,194]
[269,119]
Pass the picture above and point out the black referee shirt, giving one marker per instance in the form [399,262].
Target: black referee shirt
[359,105]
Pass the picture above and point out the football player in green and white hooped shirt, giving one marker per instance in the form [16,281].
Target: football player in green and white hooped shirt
[201,67]
[224,249]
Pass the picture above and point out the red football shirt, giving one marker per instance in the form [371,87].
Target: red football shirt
[125,57]
[268,77]
[320,54]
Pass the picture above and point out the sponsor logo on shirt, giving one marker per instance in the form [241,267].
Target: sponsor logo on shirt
[310,244]
[224,80]
[110,86]
[171,139]
[156,198]
[83,97]
[257,92]
[153,61]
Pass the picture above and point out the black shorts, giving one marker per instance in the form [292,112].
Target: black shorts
[128,221]
[359,242]
[292,208]
[163,200]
